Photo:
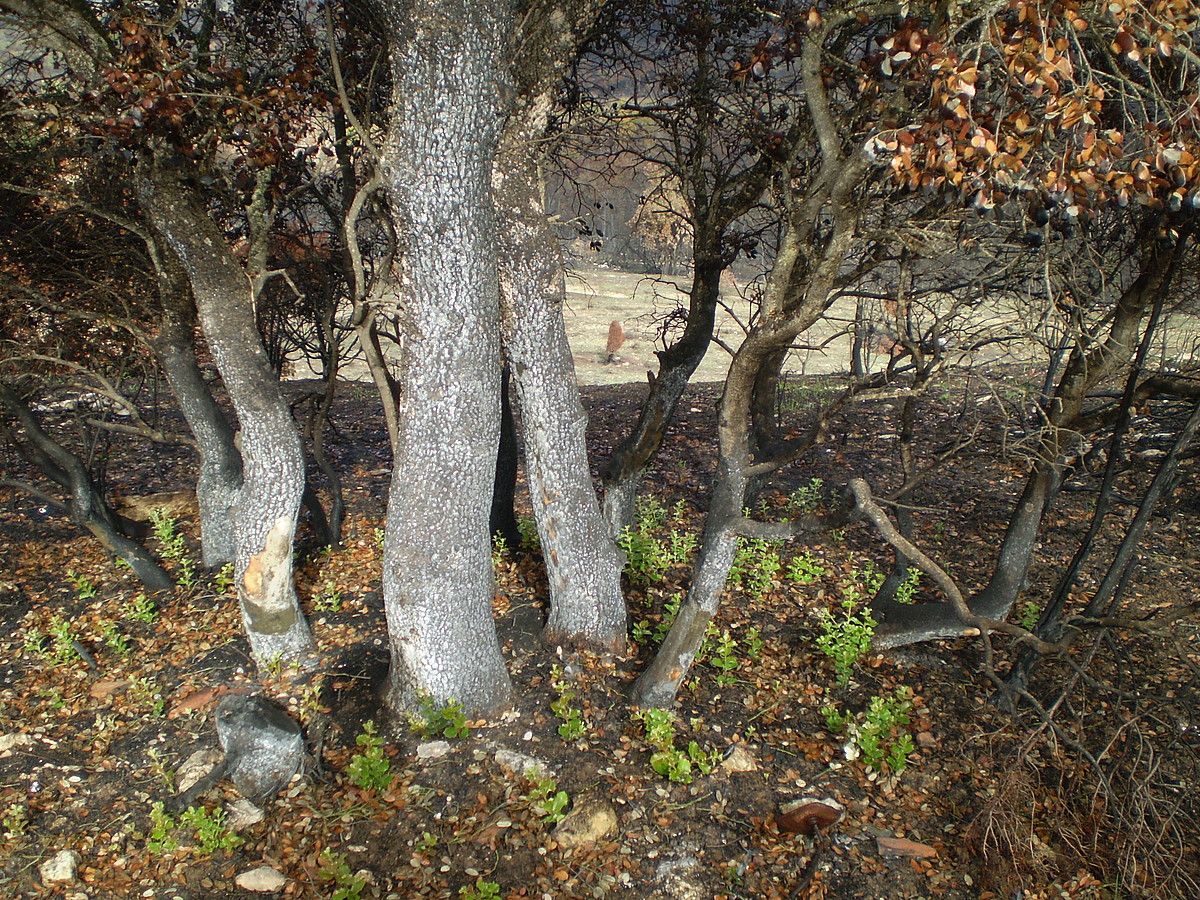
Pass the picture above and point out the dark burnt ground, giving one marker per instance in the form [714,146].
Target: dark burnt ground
[89,752]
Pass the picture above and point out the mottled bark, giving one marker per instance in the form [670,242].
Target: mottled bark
[437,578]
[265,510]
[582,561]
[220,476]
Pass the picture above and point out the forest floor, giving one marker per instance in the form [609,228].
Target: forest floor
[986,805]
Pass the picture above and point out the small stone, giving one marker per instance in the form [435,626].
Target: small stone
[60,867]
[678,877]
[242,814]
[196,767]
[587,823]
[520,763]
[903,847]
[16,739]
[263,880]
[926,740]
[433,749]
[262,743]
[740,759]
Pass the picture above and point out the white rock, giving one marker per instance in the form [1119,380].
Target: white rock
[16,739]
[263,880]
[521,763]
[196,767]
[433,749]
[740,759]
[587,823]
[60,867]
[243,814]
[676,874]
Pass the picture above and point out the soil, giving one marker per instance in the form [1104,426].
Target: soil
[1004,808]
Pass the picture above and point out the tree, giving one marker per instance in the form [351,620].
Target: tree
[266,506]
[436,167]
[149,92]
[1115,90]
[655,77]
[582,560]
[807,265]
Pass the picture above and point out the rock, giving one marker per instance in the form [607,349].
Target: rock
[102,690]
[675,877]
[520,763]
[740,759]
[196,767]
[587,823]
[60,867]
[262,743]
[433,749]
[263,880]
[242,814]
[16,739]
[903,847]
[809,815]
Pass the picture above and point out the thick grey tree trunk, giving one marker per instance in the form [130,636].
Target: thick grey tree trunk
[220,476]
[264,512]
[437,578]
[582,560]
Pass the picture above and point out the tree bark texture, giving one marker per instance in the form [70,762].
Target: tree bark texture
[583,562]
[220,476]
[437,579]
[266,507]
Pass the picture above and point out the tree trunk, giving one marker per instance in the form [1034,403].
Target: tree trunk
[788,315]
[437,577]
[1086,368]
[1109,591]
[320,421]
[582,560]
[659,684]
[220,475]
[265,510]
[906,420]
[858,346]
[86,505]
[677,364]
